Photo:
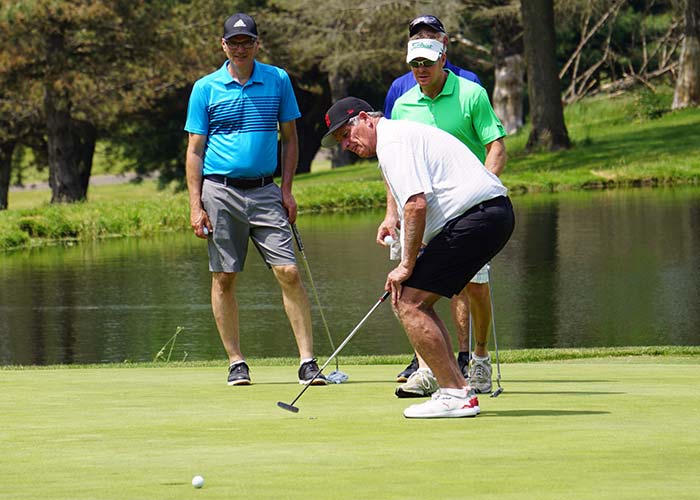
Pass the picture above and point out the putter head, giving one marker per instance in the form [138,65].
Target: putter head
[287,407]
[497,392]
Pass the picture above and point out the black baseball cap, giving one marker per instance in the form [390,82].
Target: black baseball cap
[240,24]
[431,22]
[339,114]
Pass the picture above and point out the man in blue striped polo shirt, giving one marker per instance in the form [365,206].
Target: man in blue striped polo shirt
[233,119]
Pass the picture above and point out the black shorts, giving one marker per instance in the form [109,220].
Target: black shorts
[464,246]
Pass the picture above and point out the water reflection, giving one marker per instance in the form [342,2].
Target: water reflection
[586,269]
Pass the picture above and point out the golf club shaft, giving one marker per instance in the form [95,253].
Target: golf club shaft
[343,344]
[300,245]
[495,339]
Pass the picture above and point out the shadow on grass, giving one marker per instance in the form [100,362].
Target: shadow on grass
[575,393]
[540,413]
[554,381]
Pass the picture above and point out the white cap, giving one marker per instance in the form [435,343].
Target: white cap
[426,48]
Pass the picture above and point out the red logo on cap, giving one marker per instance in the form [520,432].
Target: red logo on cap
[328,120]
[350,111]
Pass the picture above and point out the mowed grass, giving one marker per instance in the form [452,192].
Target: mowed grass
[622,428]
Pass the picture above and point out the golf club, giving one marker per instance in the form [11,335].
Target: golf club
[294,409]
[498,391]
[337,376]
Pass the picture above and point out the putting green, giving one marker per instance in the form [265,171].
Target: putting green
[622,428]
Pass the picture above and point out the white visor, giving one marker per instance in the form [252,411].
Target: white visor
[425,48]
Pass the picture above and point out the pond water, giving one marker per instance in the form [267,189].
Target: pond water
[610,268]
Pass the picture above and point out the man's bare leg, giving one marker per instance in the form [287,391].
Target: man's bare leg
[225,308]
[297,307]
[429,336]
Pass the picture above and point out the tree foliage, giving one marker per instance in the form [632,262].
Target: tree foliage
[76,67]
[75,72]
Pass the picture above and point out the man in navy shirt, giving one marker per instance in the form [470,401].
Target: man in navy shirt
[407,81]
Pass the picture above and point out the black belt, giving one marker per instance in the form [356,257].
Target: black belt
[240,183]
[498,200]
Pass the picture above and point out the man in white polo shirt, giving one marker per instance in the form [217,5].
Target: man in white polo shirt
[455,217]
[439,97]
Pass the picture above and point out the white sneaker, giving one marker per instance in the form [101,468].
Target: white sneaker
[480,375]
[443,405]
[421,384]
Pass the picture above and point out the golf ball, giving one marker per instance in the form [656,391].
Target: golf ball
[197,481]
[205,230]
[388,239]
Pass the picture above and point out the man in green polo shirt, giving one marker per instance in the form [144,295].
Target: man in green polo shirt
[462,108]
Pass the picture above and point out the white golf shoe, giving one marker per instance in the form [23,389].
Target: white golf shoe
[421,384]
[444,405]
[480,374]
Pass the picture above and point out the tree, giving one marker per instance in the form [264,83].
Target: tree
[688,84]
[7,147]
[345,48]
[546,110]
[613,45]
[509,68]
[85,63]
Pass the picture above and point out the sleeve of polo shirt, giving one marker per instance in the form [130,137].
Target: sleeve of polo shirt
[197,116]
[486,123]
[289,109]
[391,97]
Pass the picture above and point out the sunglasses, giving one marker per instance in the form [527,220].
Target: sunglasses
[425,63]
[248,44]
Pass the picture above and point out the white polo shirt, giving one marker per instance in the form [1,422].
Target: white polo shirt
[417,158]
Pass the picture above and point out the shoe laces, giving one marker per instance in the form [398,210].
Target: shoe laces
[238,368]
[479,370]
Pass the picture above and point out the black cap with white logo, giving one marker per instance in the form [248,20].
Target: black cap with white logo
[339,114]
[240,24]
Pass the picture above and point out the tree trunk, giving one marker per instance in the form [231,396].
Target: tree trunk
[546,110]
[70,142]
[339,85]
[508,92]
[71,145]
[688,84]
[6,150]
[311,127]
[509,70]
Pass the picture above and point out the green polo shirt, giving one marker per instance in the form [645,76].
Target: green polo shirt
[462,108]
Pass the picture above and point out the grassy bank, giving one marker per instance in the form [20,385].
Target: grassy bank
[616,144]
[617,428]
[506,356]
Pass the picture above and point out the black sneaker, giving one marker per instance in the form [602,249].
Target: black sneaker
[308,370]
[239,374]
[463,362]
[408,371]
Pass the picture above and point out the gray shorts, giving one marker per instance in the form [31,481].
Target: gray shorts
[239,214]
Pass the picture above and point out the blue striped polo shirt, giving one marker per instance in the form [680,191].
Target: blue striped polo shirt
[240,121]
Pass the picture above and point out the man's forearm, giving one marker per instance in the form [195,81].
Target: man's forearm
[290,158]
[193,170]
[496,157]
[413,229]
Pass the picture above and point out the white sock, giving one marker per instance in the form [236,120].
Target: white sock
[479,358]
[458,393]
[237,363]
[305,360]
[425,370]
